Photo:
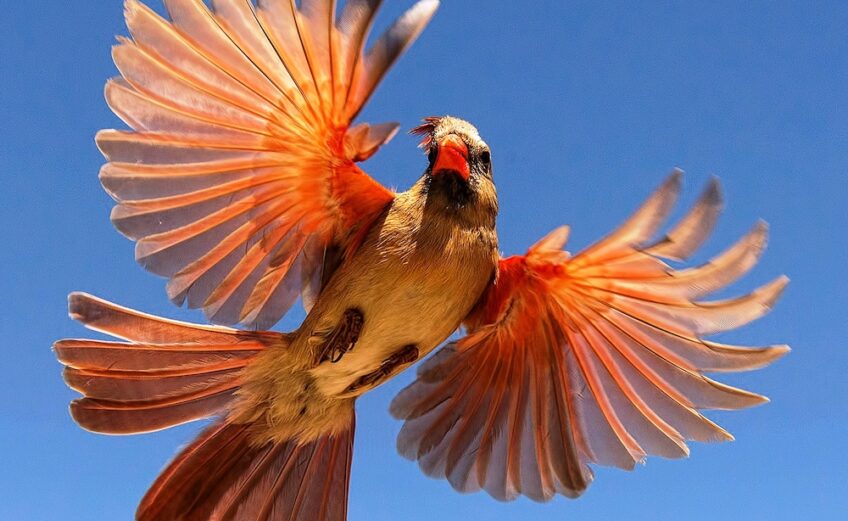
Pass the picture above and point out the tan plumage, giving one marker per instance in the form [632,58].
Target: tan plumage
[601,353]
[239,183]
[418,257]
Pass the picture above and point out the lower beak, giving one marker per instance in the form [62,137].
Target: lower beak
[452,157]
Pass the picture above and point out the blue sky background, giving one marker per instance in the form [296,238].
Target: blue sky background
[586,106]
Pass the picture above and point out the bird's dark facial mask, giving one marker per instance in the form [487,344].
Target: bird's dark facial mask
[450,155]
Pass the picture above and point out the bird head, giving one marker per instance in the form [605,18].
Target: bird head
[460,164]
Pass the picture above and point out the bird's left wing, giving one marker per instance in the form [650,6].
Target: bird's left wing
[240,172]
[595,358]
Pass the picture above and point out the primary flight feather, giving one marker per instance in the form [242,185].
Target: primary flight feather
[239,183]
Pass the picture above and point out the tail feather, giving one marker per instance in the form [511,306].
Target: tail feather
[164,373]
[110,417]
[142,328]
[224,476]
[93,355]
[127,386]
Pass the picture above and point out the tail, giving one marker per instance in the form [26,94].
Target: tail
[222,475]
[166,373]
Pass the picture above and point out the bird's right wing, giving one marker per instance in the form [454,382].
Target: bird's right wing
[595,358]
[240,173]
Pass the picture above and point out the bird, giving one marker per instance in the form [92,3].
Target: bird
[238,180]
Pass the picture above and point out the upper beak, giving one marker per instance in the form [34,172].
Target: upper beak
[452,157]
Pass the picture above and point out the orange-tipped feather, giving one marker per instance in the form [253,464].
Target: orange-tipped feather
[254,104]
[605,346]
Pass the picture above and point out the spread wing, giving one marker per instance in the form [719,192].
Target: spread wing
[595,358]
[240,172]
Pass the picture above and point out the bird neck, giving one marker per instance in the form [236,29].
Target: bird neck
[456,203]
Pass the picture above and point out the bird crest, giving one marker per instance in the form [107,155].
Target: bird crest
[426,130]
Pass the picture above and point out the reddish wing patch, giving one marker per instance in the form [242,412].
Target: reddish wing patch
[239,172]
[596,358]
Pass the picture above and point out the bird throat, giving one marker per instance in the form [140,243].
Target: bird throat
[451,188]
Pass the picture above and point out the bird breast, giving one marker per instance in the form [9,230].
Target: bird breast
[416,276]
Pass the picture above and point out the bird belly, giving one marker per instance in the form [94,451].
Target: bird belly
[406,302]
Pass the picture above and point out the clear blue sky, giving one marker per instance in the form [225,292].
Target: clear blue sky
[586,106]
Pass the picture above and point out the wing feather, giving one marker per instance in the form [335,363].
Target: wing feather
[241,118]
[596,358]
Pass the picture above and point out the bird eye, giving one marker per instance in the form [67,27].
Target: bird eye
[433,153]
[486,157]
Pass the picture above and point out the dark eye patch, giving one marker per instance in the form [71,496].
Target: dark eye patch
[486,157]
[433,153]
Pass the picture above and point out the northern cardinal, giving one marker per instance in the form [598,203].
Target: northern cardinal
[239,183]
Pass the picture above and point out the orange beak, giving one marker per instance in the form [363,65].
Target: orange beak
[452,157]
